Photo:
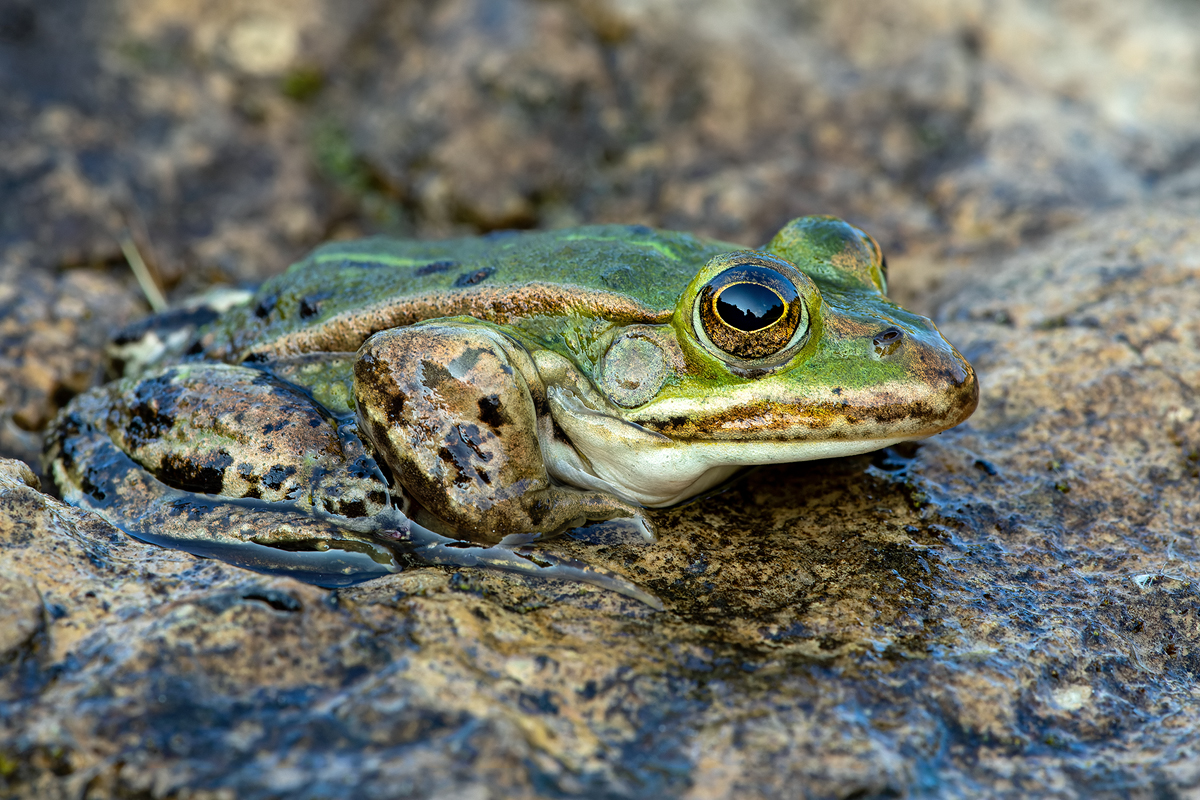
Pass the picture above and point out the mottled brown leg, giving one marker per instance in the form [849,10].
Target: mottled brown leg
[159,459]
[453,408]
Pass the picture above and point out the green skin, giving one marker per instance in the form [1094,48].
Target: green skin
[504,388]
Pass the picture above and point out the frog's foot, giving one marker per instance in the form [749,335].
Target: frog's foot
[453,407]
[433,548]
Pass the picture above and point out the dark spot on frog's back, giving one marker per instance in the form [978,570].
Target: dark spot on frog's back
[165,323]
[368,369]
[434,268]
[196,473]
[266,306]
[639,230]
[538,511]
[453,456]
[246,472]
[462,449]
[310,305]
[470,436]
[466,361]
[491,413]
[474,277]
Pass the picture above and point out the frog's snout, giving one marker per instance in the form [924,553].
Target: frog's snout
[955,381]
[942,389]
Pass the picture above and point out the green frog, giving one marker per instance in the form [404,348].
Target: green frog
[386,401]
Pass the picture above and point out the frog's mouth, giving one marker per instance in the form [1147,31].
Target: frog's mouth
[676,453]
[651,469]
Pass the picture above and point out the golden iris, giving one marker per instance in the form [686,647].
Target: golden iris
[750,311]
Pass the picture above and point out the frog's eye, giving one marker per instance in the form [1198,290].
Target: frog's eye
[751,310]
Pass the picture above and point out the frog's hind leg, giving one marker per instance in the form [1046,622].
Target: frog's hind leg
[226,462]
[453,407]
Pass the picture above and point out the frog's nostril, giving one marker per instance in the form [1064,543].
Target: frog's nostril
[887,341]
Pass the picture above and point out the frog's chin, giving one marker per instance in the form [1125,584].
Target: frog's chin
[648,468]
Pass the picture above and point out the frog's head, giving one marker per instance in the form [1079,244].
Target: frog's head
[787,353]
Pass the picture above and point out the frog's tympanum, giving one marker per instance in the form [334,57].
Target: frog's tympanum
[389,401]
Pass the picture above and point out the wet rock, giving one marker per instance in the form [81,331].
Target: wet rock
[21,614]
[996,610]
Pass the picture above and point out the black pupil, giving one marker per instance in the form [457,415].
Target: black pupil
[749,306]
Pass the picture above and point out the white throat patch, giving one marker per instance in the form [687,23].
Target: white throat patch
[648,468]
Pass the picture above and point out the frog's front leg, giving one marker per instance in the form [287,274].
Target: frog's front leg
[453,408]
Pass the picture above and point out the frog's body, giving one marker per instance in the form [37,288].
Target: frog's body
[519,384]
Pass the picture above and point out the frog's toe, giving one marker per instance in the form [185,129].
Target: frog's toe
[557,509]
[433,548]
[641,525]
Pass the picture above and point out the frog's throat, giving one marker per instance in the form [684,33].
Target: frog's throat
[645,467]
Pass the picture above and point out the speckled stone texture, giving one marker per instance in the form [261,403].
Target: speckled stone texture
[1011,609]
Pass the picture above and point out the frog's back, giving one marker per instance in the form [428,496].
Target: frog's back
[344,291]
[628,259]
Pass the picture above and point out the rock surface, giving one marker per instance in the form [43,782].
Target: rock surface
[1009,609]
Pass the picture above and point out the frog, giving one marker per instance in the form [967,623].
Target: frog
[388,402]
